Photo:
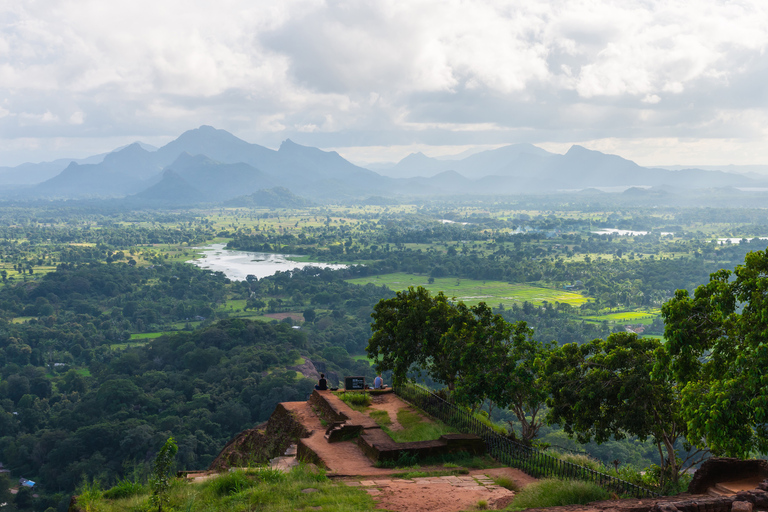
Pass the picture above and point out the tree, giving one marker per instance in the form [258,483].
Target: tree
[616,387]
[501,362]
[407,332]
[160,481]
[476,353]
[718,352]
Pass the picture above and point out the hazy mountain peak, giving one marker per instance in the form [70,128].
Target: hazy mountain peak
[289,145]
[580,150]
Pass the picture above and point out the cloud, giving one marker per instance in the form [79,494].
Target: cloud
[344,73]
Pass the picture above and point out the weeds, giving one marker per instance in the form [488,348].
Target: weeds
[507,483]
[125,488]
[552,492]
[357,401]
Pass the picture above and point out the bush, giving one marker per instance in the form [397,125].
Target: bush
[230,483]
[582,460]
[552,492]
[356,400]
[125,488]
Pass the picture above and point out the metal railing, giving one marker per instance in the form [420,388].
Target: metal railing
[512,453]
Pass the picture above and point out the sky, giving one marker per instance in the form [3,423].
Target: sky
[659,82]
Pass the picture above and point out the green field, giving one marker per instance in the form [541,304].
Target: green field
[148,335]
[627,317]
[472,291]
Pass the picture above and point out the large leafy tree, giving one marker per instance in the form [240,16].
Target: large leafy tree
[718,346]
[475,352]
[408,332]
[608,389]
[503,363]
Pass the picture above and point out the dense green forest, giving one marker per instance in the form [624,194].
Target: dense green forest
[110,341]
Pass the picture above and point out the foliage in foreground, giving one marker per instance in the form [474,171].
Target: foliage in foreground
[245,490]
[554,493]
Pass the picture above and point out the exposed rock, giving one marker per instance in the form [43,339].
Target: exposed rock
[741,506]
[259,446]
[757,497]
[665,506]
[717,470]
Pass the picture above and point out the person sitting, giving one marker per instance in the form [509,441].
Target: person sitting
[322,384]
[378,383]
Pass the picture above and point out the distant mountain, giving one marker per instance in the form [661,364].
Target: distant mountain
[475,166]
[211,165]
[119,174]
[278,197]
[171,190]
[219,181]
[34,173]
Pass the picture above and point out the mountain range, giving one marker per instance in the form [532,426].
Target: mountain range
[208,165]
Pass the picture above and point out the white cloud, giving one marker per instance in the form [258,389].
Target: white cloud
[385,71]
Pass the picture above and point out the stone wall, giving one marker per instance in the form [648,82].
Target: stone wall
[722,469]
[378,446]
[257,446]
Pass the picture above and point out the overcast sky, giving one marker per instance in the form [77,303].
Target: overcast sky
[660,82]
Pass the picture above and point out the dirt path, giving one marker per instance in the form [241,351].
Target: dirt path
[446,493]
[430,494]
[341,459]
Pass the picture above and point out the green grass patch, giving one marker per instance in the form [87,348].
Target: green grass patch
[357,401]
[417,428]
[507,483]
[246,490]
[626,317]
[381,418]
[552,492]
[472,291]
[149,335]
[22,319]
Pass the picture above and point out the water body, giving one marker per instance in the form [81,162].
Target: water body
[237,265]
[722,241]
[627,232]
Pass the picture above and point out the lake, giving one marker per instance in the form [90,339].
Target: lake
[237,265]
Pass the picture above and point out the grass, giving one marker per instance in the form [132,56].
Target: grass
[357,401]
[626,317]
[416,428]
[149,335]
[380,417]
[552,492]
[507,483]
[244,490]
[582,460]
[472,291]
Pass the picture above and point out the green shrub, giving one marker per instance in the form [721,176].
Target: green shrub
[125,488]
[230,483]
[583,460]
[507,483]
[358,401]
[89,496]
[552,492]
[267,474]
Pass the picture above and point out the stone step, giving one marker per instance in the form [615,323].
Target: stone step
[713,491]
[724,489]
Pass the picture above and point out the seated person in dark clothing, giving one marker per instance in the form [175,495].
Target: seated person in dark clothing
[322,384]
